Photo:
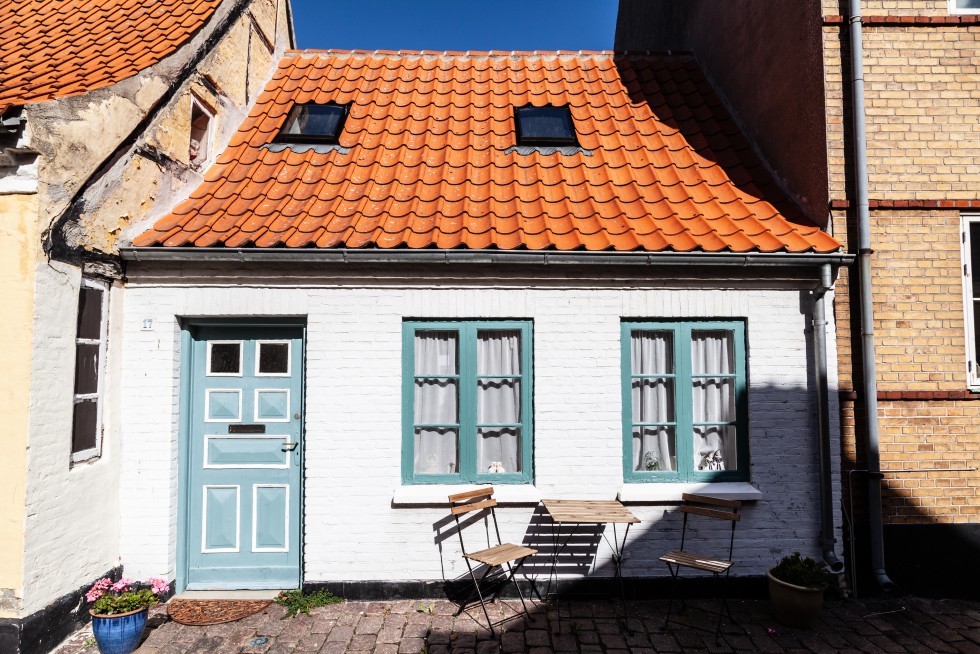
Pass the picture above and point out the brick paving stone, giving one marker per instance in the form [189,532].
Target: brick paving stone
[463,640]
[488,647]
[369,624]
[389,648]
[340,634]
[362,643]
[966,647]
[411,646]
[322,625]
[564,643]
[415,630]
[512,642]
[334,648]
[541,650]
[612,641]
[664,643]
[537,638]
[310,642]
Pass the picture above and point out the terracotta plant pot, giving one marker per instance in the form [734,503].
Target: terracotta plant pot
[794,606]
[119,634]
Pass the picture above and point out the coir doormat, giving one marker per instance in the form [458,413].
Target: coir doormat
[199,613]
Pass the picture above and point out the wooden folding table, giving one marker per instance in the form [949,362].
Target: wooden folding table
[590,512]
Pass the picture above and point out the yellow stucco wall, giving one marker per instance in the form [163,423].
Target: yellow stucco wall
[19,243]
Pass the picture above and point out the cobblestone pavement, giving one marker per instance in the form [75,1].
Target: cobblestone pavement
[425,626]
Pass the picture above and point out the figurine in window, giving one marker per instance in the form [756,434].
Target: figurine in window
[712,461]
[496,467]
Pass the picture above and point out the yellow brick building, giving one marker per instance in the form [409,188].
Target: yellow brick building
[921,73]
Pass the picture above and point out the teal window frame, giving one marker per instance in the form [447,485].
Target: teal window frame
[683,409]
[466,332]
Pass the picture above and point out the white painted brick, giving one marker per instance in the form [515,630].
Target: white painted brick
[354,362]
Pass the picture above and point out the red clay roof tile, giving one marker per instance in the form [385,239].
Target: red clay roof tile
[427,159]
[57,48]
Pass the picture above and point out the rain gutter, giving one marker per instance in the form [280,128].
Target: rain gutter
[827,539]
[869,374]
[509,257]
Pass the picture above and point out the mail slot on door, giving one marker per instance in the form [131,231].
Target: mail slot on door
[246,429]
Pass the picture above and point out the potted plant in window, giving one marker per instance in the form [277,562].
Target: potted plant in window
[119,611]
[796,587]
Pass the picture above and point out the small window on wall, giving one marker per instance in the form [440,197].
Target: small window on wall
[971,273]
[90,342]
[200,141]
[964,6]
[684,402]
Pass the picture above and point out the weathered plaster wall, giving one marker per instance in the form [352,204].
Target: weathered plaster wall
[765,58]
[19,247]
[353,427]
[76,136]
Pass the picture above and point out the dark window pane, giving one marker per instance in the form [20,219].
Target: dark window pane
[273,358]
[975,257]
[976,333]
[90,313]
[321,121]
[84,425]
[226,358]
[551,125]
[86,369]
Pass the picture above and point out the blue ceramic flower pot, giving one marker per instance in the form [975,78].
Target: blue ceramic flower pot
[119,634]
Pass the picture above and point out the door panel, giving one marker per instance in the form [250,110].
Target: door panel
[243,494]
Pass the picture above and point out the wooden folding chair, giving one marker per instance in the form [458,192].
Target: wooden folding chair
[501,554]
[708,507]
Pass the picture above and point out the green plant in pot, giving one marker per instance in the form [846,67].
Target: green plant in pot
[796,588]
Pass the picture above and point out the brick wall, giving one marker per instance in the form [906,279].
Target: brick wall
[891,7]
[922,109]
[353,428]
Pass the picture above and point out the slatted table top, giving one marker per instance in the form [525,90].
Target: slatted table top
[588,511]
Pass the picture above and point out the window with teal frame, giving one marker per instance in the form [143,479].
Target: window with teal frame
[466,402]
[684,401]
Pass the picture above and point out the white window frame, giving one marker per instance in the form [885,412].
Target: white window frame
[972,372]
[98,396]
[953,9]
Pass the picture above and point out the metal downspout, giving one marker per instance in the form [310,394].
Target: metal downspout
[827,539]
[870,385]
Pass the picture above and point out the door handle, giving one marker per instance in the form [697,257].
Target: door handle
[289,446]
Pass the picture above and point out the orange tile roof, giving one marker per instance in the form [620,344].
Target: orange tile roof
[426,160]
[56,48]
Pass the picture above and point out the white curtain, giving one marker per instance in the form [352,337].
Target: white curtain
[498,401]
[651,353]
[713,353]
[436,402]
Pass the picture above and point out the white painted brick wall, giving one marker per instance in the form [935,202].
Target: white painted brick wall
[353,416]
[72,525]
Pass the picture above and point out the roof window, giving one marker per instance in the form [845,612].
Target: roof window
[545,126]
[314,123]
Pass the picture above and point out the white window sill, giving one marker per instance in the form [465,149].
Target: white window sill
[429,494]
[653,492]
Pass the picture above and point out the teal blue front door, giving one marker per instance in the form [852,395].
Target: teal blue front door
[241,522]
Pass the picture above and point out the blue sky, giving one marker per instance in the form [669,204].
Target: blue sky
[455,24]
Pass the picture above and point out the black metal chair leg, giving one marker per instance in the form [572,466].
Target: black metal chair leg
[479,593]
[673,591]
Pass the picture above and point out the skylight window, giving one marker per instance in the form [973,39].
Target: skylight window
[545,126]
[314,123]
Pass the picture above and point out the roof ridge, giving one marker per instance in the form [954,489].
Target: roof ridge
[482,54]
